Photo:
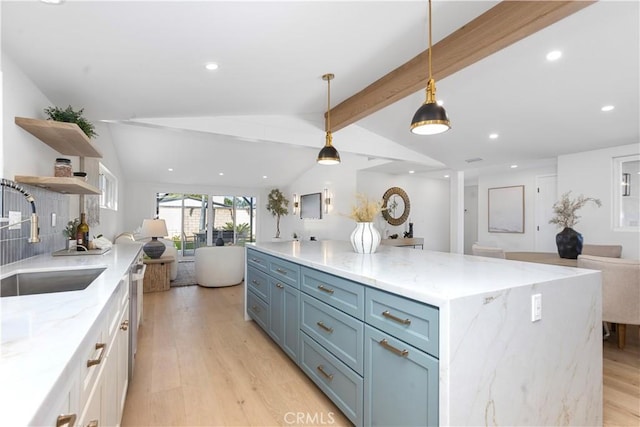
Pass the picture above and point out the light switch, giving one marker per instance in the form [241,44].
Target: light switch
[15,217]
[536,307]
[53,219]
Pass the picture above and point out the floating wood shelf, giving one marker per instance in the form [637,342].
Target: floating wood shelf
[65,138]
[60,185]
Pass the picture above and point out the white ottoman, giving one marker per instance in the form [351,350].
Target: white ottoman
[219,266]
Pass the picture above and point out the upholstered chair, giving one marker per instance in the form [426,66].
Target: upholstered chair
[620,290]
[487,251]
[218,266]
[611,251]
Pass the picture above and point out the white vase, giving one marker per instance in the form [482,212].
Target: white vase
[365,239]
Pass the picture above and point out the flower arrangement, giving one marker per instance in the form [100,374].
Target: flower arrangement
[71,228]
[365,209]
[565,209]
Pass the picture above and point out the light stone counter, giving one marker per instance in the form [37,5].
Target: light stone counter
[40,334]
[497,367]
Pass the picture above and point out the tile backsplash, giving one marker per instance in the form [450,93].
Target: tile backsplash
[14,244]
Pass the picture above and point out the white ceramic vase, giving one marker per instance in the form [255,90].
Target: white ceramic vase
[365,239]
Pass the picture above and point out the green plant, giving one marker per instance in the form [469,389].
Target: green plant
[69,116]
[71,229]
[565,209]
[277,205]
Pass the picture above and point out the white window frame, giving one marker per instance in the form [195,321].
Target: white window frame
[108,185]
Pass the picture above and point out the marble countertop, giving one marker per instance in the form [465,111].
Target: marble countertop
[427,276]
[40,334]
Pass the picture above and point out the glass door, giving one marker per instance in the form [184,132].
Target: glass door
[186,218]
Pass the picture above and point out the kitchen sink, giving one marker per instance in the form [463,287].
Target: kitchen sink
[43,282]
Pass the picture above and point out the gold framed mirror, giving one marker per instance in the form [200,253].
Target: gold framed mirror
[395,206]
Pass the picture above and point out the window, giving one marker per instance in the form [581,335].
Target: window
[108,185]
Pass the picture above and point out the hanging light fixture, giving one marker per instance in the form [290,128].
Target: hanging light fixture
[328,155]
[431,118]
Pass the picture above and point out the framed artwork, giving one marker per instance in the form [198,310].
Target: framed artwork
[506,209]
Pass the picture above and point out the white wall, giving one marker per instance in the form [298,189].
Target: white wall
[429,199]
[510,241]
[591,173]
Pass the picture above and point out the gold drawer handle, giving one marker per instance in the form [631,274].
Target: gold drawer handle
[325,327]
[124,325]
[397,319]
[93,423]
[323,372]
[327,290]
[66,420]
[385,344]
[281,271]
[99,346]
[256,309]
[278,285]
[255,282]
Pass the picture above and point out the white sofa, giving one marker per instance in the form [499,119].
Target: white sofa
[218,266]
[170,249]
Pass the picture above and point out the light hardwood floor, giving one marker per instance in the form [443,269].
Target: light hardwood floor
[200,364]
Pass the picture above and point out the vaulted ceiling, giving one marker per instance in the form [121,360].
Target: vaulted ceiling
[139,66]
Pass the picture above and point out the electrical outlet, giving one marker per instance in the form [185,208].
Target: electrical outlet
[536,307]
[15,217]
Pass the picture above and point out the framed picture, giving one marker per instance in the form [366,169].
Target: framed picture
[506,209]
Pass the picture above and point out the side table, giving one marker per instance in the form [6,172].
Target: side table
[157,274]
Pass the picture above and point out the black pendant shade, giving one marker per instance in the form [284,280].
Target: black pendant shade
[430,119]
[328,156]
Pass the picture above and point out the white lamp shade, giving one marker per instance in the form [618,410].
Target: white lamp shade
[154,228]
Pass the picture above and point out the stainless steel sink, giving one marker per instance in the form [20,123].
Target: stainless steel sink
[43,282]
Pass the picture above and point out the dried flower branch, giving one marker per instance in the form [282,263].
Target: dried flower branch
[365,209]
[565,209]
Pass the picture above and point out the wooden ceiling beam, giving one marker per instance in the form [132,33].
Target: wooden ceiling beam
[497,28]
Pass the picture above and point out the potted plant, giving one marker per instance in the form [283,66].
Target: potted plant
[365,239]
[68,115]
[569,241]
[70,231]
[277,204]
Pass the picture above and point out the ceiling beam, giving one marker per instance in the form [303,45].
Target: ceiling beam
[499,27]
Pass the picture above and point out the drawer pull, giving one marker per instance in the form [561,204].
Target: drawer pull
[397,319]
[325,327]
[255,282]
[256,260]
[124,325]
[93,423]
[66,420]
[324,373]
[256,309]
[99,346]
[278,285]
[327,290]
[281,271]
[401,353]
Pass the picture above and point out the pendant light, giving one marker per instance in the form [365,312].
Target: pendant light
[328,155]
[431,118]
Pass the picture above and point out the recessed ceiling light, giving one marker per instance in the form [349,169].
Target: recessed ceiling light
[211,66]
[607,108]
[170,169]
[554,55]
[221,173]
[514,166]
[52,1]
[446,176]
[493,135]
[264,176]
[412,171]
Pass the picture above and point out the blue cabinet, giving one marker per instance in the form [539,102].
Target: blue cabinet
[400,382]
[283,316]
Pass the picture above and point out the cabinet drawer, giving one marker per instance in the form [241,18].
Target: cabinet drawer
[258,260]
[94,351]
[258,282]
[411,321]
[286,271]
[342,294]
[343,386]
[339,333]
[401,383]
[258,310]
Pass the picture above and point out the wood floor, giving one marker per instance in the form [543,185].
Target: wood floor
[200,364]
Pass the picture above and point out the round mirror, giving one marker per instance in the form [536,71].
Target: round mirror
[395,206]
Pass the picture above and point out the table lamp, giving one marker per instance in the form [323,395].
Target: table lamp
[154,228]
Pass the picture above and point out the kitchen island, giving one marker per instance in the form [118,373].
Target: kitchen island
[494,364]
[43,362]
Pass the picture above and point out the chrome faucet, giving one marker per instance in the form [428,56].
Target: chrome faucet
[34,237]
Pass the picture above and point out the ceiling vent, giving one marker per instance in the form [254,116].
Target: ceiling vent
[473,160]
